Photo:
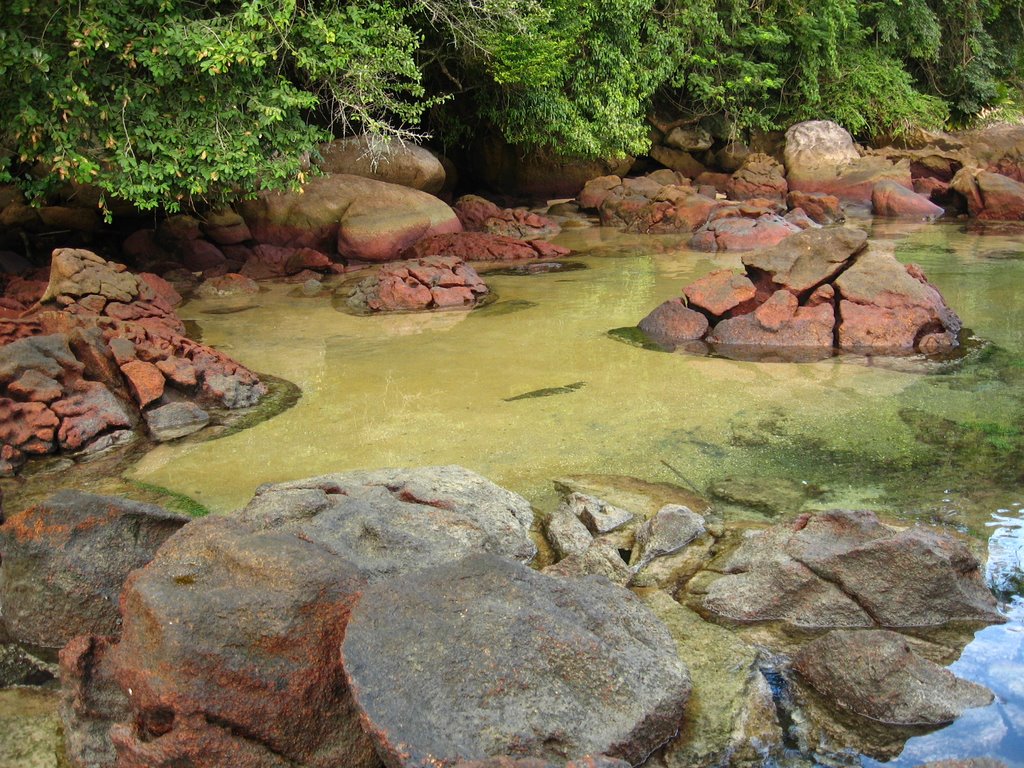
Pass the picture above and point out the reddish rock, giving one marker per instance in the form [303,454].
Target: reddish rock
[145,381]
[622,208]
[760,176]
[990,196]
[885,304]
[200,255]
[738,233]
[806,259]
[719,292]
[891,199]
[823,294]
[799,218]
[691,212]
[390,160]
[89,410]
[716,180]
[678,160]
[178,370]
[672,322]
[478,214]
[433,282]
[161,288]
[777,311]
[820,207]
[143,248]
[258,678]
[307,259]
[481,246]
[596,190]
[27,427]
[806,327]
[34,386]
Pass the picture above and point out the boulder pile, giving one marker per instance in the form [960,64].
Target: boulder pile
[99,351]
[818,289]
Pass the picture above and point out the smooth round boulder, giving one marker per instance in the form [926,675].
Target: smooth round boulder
[672,322]
[485,657]
[390,160]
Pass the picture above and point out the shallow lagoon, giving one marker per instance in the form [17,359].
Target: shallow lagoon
[936,443]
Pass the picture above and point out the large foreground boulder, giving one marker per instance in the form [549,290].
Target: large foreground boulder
[63,563]
[876,674]
[485,657]
[355,217]
[846,569]
[393,521]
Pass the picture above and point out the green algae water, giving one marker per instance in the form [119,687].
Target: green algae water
[534,387]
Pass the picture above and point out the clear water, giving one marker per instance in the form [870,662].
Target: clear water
[944,447]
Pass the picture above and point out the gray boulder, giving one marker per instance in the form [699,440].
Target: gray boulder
[394,521]
[672,528]
[846,569]
[65,560]
[484,657]
[876,674]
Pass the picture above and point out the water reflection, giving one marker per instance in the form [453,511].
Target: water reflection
[994,658]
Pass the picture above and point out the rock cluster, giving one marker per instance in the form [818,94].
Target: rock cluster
[818,289]
[368,619]
[484,247]
[478,214]
[99,347]
[432,282]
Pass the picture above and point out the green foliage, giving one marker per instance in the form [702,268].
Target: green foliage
[163,102]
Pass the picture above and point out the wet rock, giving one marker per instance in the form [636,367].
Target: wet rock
[779,322]
[89,410]
[875,674]
[28,728]
[808,258]
[760,177]
[730,717]
[820,207]
[672,323]
[482,246]
[231,284]
[886,304]
[65,560]
[771,496]
[677,160]
[510,660]
[669,530]
[720,292]
[174,420]
[990,196]
[531,762]
[601,558]
[201,256]
[432,282]
[800,219]
[230,653]
[596,190]
[846,569]
[891,199]
[393,521]
[355,217]
[741,233]
[599,516]
[145,380]
[391,161]
[566,533]
[478,214]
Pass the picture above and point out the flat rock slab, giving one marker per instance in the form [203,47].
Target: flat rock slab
[484,657]
[875,674]
[808,258]
[393,521]
[65,560]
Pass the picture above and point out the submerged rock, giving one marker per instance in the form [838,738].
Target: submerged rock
[65,560]
[876,674]
[510,661]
